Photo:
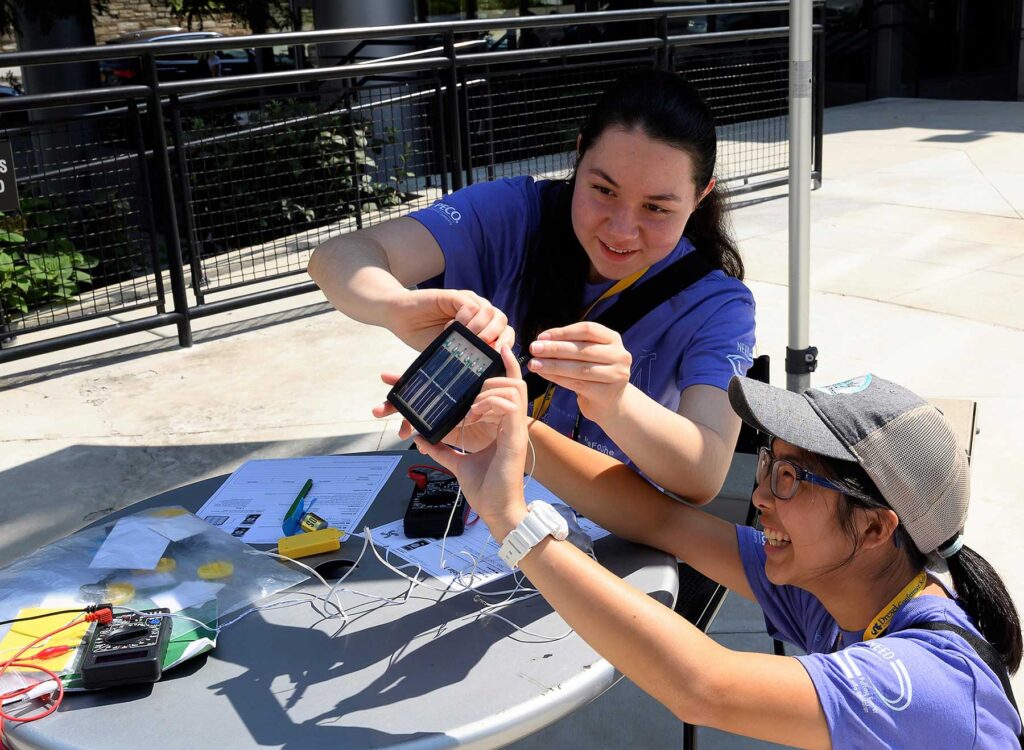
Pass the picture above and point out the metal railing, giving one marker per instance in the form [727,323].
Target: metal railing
[164,202]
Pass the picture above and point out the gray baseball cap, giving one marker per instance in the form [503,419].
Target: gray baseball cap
[906,445]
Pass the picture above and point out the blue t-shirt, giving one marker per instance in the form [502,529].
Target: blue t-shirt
[908,689]
[702,335]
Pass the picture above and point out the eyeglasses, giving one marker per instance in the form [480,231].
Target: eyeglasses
[786,475]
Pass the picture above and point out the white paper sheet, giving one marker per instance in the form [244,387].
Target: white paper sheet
[130,544]
[176,528]
[253,501]
[460,552]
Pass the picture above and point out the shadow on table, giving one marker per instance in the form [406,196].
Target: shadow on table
[425,650]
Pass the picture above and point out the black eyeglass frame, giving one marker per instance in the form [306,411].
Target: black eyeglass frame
[769,461]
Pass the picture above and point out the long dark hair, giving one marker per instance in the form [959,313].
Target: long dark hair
[979,589]
[666,108]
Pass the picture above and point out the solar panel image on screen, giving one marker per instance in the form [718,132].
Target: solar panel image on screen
[443,379]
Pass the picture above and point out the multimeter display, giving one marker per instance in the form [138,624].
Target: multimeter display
[439,387]
[128,650]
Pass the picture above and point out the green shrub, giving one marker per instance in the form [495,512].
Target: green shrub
[38,264]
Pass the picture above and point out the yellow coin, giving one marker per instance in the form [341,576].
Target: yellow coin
[211,571]
[168,512]
[165,565]
[120,592]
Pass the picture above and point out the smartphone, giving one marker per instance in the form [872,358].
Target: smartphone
[435,393]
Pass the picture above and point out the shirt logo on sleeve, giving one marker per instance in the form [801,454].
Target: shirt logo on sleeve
[872,699]
[452,214]
[742,360]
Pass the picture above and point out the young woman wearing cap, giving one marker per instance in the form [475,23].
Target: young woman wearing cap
[554,253]
[861,490]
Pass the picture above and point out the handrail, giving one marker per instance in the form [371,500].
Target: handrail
[85,54]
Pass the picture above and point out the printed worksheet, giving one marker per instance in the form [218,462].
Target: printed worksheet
[252,503]
[471,559]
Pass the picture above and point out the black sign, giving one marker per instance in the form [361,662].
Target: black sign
[8,182]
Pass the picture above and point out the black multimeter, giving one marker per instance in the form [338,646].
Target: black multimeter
[435,393]
[430,512]
[127,650]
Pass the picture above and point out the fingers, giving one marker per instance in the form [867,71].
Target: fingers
[505,338]
[497,403]
[389,378]
[580,351]
[584,371]
[583,331]
[512,370]
[481,317]
[573,384]
[440,452]
[586,343]
[385,409]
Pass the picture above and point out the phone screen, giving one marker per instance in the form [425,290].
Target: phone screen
[438,389]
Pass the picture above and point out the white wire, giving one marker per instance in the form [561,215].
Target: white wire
[393,569]
[444,537]
[539,636]
[332,598]
[330,589]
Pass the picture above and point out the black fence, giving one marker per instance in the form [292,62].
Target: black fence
[155,204]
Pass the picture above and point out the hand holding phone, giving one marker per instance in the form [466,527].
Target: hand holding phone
[438,389]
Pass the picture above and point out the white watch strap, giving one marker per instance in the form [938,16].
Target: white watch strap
[540,521]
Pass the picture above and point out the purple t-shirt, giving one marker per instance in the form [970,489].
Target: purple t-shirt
[702,335]
[908,689]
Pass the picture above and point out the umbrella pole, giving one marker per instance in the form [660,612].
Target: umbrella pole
[801,357]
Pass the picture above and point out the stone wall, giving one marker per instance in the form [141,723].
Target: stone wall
[132,15]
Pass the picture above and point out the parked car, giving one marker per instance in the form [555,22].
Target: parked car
[15,118]
[177,66]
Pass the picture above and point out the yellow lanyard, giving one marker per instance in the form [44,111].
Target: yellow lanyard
[881,622]
[540,404]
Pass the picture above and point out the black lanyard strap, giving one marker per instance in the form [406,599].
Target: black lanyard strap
[638,300]
[987,653]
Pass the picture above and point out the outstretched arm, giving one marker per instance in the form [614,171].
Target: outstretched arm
[612,495]
[366,275]
[767,697]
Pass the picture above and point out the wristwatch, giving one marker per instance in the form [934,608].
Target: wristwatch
[541,520]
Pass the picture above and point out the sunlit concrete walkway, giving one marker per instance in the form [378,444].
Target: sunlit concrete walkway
[917,275]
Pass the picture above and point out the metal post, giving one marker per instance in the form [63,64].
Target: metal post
[665,51]
[166,183]
[195,247]
[146,204]
[453,111]
[801,357]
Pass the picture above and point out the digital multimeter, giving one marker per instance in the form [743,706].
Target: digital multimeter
[127,650]
[430,511]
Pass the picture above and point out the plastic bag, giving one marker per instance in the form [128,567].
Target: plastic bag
[200,567]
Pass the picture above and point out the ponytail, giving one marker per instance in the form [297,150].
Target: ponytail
[708,231]
[979,589]
[982,594]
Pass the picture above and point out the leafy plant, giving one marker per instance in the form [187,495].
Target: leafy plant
[38,265]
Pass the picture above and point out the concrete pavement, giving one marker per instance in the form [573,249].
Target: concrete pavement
[917,274]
